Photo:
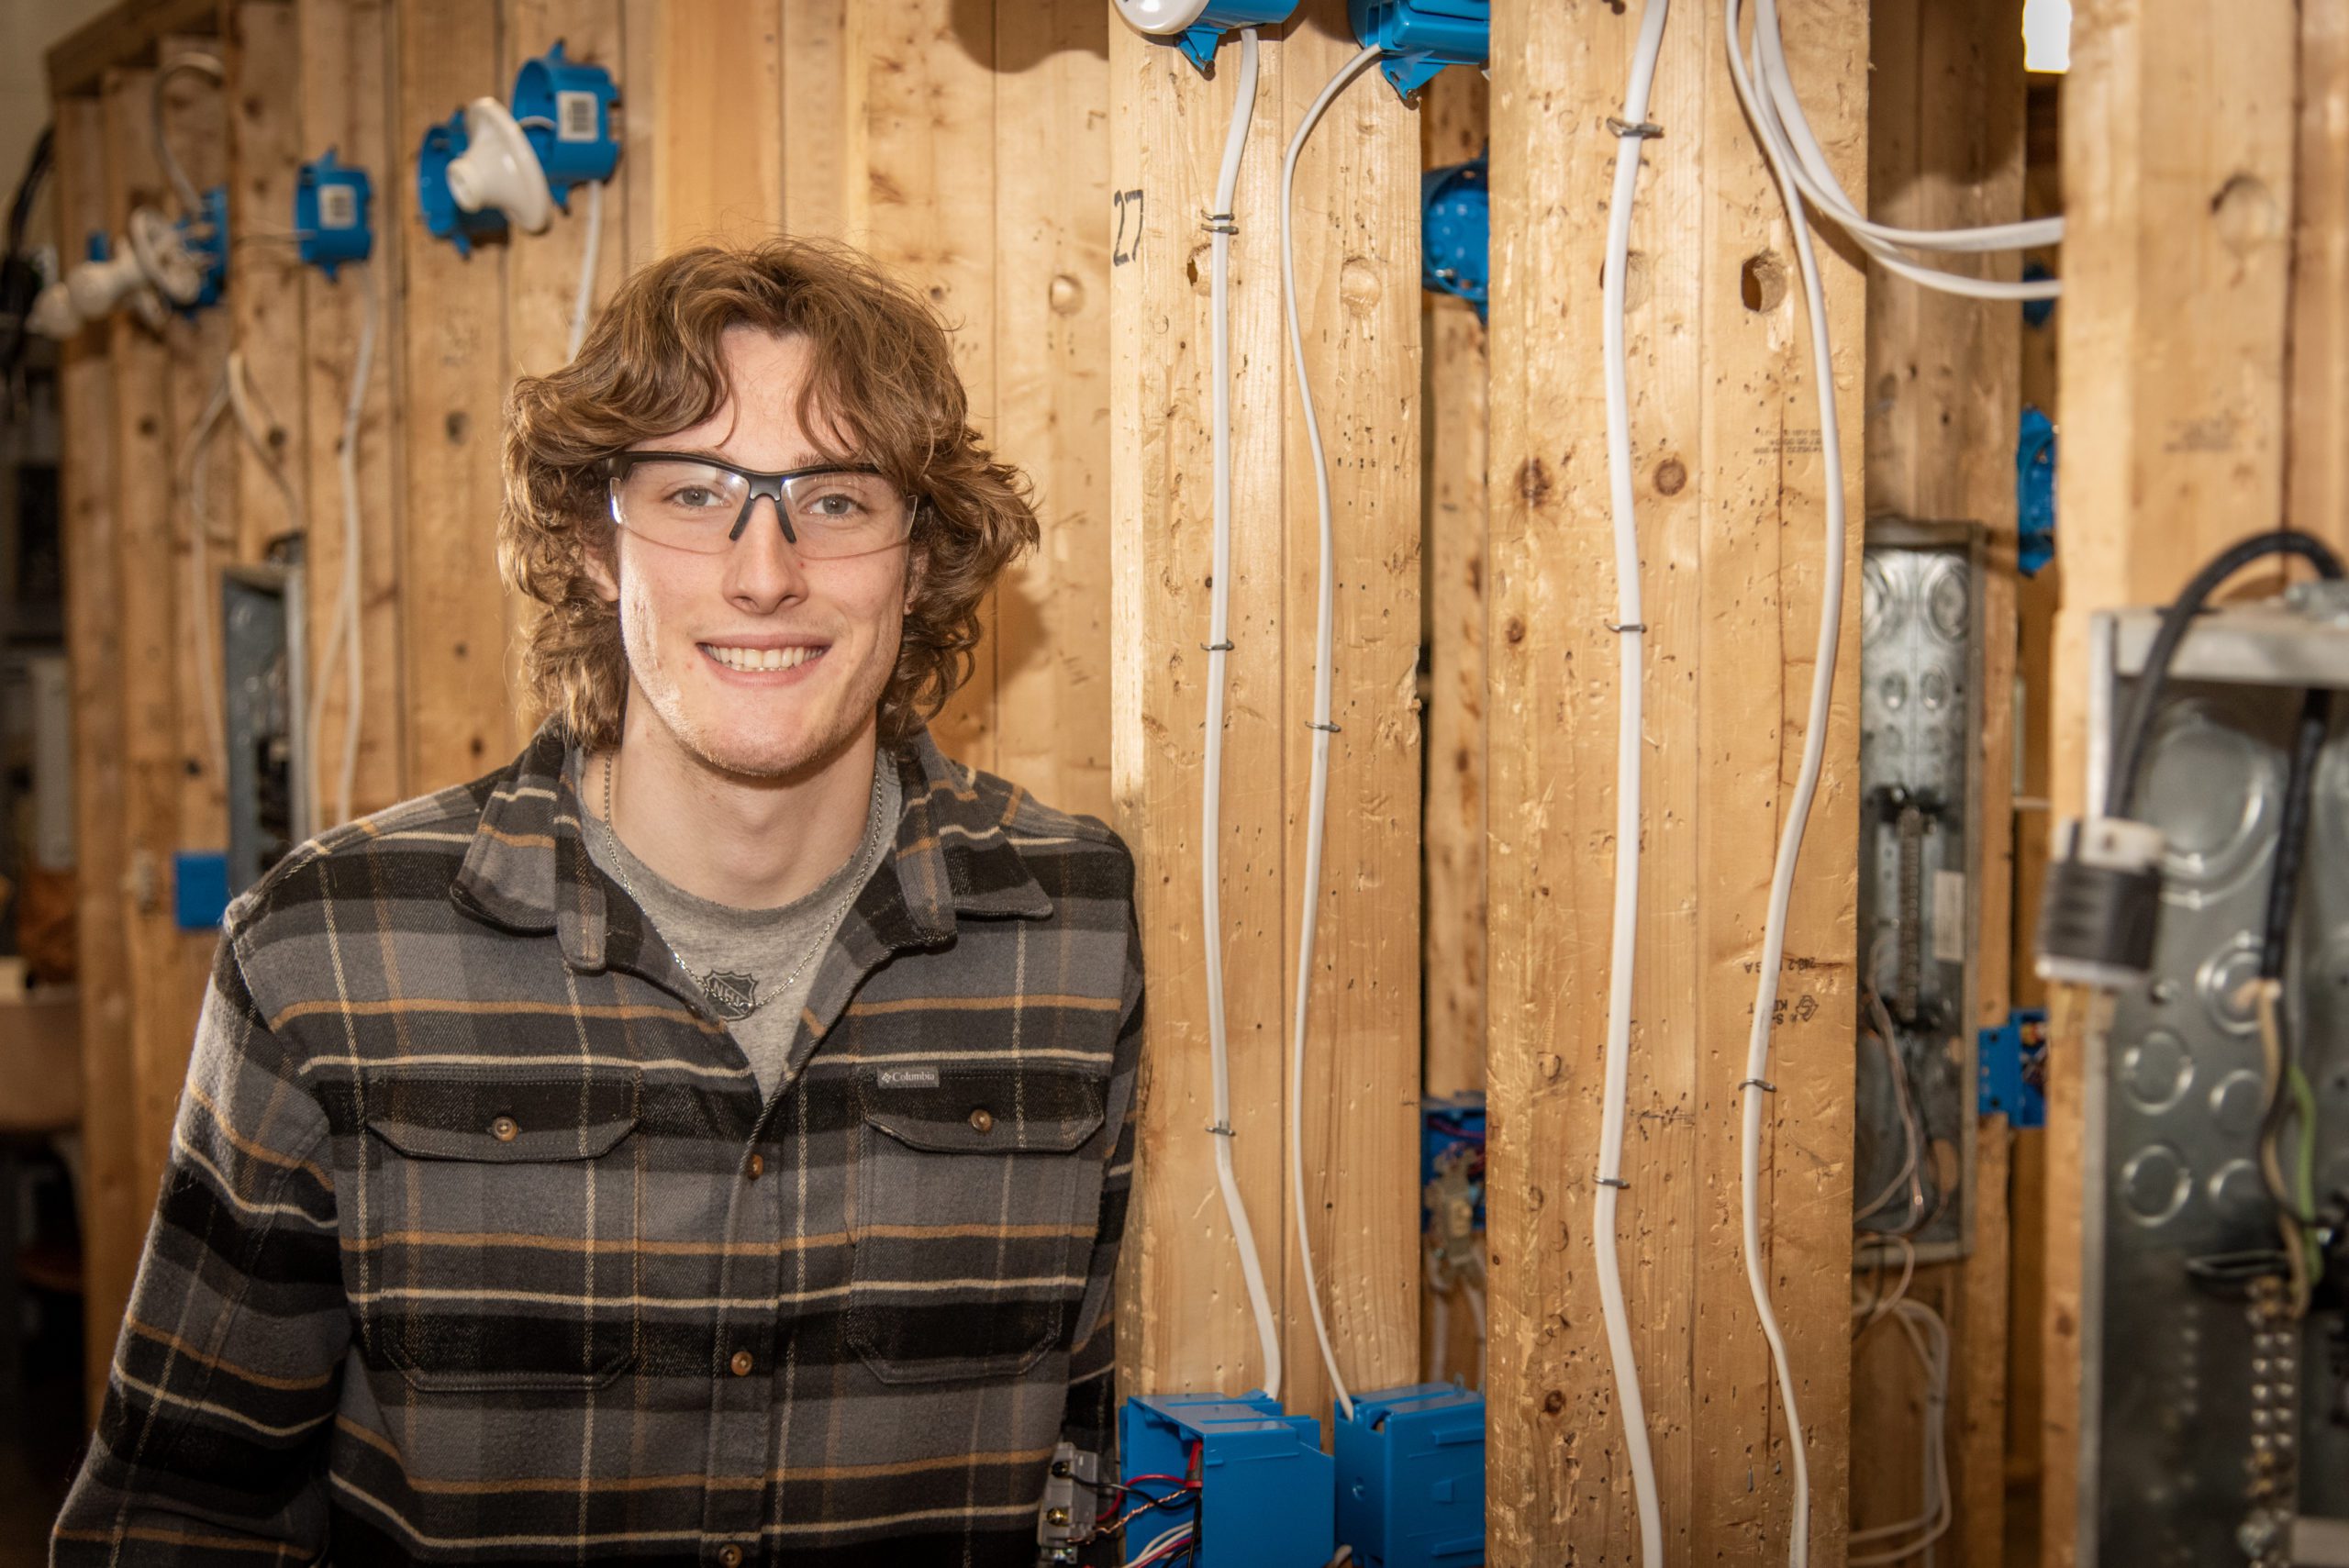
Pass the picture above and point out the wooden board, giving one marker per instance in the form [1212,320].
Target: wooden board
[1185,1322]
[1050,399]
[717,75]
[264,301]
[2178,180]
[453,635]
[2317,480]
[146,598]
[923,162]
[1455,121]
[1357,278]
[1947,148]
[126,35]
[195,123]
[1730,487]
[109,1200]
[814,75]
[346,104]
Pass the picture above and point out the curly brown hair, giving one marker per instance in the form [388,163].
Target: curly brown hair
[881,385]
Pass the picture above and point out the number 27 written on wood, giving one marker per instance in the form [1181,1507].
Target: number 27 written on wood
[1127,206]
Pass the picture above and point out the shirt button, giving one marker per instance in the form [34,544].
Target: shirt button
[504,1129]
[731,1555]
[758,1166]
[741,1363]
[982,1120]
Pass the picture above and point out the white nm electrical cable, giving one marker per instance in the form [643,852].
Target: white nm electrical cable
[1797,816]
[1631,134]
[1776,112]
[1251,1268]
[1324,635]
[191,203]
[584,301]
[347,632]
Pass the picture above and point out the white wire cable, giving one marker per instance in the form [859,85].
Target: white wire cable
[191,204]
[1630,645]
[583,303]
[1324,639]
[346,634]
[1814,752]
[199,574]
[1780,124]
[1928,1337]
[1252,1270]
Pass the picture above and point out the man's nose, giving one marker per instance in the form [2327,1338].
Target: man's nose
[763,567]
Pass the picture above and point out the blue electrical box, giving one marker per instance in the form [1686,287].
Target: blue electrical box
[1265,1488]
[206,235]
[199,889]
[330,204]
[1197,40]
[1452,1134]
[2013,1069]
[1456,230]
[2035,492]
[1411,1477]
[443,145]
[566,110]
[1420,38]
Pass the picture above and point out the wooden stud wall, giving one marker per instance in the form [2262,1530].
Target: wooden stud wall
[1731,488]
[112,1205]
[1187,1323]
[1456,122]
[1946,149]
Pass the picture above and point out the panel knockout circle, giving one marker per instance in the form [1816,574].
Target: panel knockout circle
[2155,1184]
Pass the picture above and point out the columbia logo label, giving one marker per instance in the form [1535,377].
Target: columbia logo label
[910,1077]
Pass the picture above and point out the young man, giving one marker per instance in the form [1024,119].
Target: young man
[706,1140]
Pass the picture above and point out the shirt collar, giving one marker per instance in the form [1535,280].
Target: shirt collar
[528,868]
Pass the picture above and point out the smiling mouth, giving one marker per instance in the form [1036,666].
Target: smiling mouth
[754,661]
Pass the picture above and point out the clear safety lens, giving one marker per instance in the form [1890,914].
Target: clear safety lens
[694,505]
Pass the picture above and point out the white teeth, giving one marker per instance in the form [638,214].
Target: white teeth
[760,658]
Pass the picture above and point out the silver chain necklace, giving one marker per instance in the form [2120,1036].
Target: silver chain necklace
[732,1001]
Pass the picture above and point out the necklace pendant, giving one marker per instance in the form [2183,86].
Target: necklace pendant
[732,996]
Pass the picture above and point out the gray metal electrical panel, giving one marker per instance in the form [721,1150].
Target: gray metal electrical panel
[1921,726]
[261,667]
[2207,1418]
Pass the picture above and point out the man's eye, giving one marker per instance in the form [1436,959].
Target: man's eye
[836,505]
[694,496]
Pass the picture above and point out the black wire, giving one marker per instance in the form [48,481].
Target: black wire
[20,206]
[2129,754]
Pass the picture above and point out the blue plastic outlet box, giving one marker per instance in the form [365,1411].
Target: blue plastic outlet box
[565,111]
[1411,1477]
[1420,38]
[1266,1496]
[330,210]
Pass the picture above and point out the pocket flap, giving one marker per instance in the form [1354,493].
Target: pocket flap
[947,1109]
[506,1123]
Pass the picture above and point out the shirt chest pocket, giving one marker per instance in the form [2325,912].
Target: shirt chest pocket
[499,1240]
[977,1195]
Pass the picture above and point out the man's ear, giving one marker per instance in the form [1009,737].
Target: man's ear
[913,564]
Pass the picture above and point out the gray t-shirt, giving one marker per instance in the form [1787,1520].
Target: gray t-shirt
[745,958]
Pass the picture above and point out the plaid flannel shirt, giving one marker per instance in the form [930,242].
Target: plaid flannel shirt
[478,1244]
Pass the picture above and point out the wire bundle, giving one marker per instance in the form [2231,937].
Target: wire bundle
[1766,86]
